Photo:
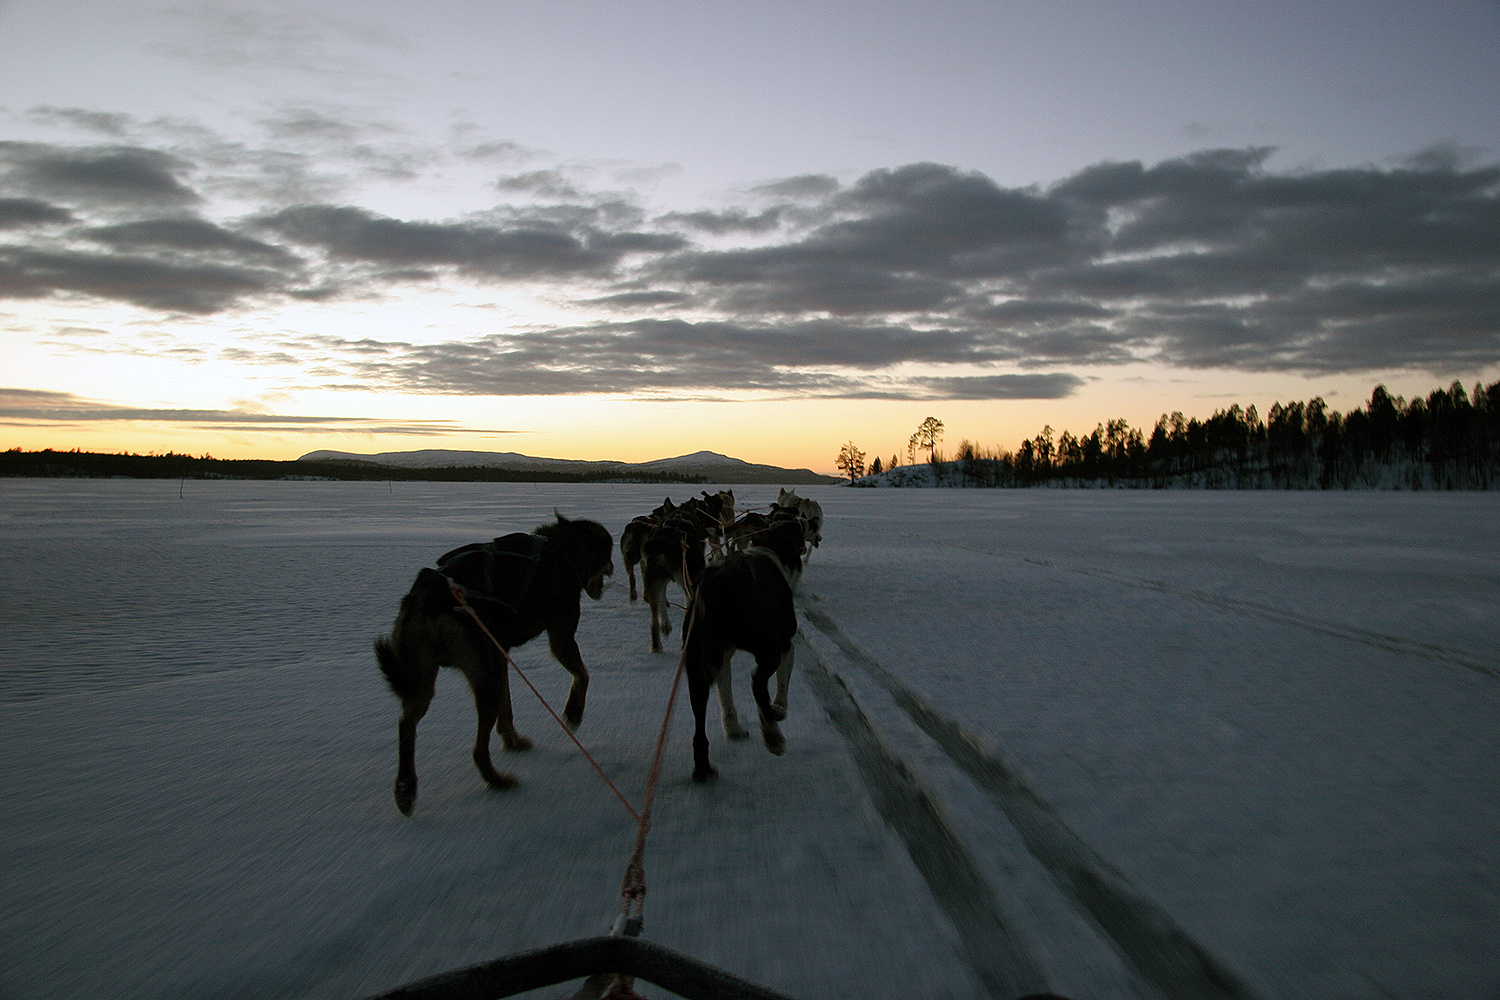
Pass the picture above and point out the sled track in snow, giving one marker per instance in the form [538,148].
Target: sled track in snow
[1390,643]
[1144,935]
[998,959]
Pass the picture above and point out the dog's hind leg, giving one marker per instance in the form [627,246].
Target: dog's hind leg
[412,710]
[699,682]
[412,677]
[491,689]
[630,552]
[783,677]
[725,683]
[484,705]
[766,664]
[656,598]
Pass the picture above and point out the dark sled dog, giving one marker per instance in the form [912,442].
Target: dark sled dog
[520,585]
[711,515]
[673,552]
[745,602]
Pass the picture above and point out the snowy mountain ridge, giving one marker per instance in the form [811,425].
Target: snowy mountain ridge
[709,464]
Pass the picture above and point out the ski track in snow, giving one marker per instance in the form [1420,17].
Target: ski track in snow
[1161,953]
[1393,643]
[1005,778]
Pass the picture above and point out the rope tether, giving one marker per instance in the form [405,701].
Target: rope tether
[458,595]
[633,886]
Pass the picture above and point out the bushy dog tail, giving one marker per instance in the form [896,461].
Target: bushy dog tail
[393,653]
[396,674]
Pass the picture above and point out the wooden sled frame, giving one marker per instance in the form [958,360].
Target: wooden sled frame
[561,963]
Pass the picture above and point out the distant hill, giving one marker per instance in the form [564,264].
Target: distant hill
[712,466]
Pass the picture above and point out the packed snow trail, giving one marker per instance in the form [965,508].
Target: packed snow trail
[198,770]
[1160,952]
[993,948]
[1263,712]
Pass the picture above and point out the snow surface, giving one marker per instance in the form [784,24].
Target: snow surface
[1036,738]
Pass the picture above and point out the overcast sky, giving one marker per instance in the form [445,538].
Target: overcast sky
[637,230]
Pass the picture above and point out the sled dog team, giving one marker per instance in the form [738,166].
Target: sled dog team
[489,597]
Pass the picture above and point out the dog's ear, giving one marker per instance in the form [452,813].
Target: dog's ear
[558,514]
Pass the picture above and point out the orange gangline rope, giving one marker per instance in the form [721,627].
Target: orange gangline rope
[459,596]
[633,887]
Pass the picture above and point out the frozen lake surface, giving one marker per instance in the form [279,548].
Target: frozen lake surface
[1113,744]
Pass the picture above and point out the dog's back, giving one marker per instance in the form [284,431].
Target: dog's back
[497,576]
[745,599]
[675,544]
[500,581]
[781,540]
[744,602]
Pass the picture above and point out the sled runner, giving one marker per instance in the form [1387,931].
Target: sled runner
[602,960]
[610,962]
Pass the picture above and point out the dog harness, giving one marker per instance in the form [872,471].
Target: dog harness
[473,569]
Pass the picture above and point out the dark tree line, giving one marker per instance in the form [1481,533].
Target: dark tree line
[95,465]
[1447,440]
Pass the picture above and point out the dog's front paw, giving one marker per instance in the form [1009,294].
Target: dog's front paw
[405,794]
[516,743]
[775,742]
[777,712]
[704,773]
[734,730]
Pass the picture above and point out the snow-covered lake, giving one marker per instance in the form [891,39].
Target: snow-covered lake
[1114,744]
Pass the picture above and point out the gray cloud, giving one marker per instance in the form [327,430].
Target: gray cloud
[112,124]
[538,250]
[549,183]
[912,240]
[1332,271]
[187,234]
[1053,386]
[141,281]
[504,152]
[802,280]
[1210,260]
[122,174]
[935,217]
[32,407]
[813,358]
[18,212]
[311,124]
[644,299]
[805,186]
[727,222]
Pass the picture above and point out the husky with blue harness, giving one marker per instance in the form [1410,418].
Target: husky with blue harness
[519,586]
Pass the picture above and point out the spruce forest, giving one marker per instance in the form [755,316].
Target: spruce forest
[1448,440]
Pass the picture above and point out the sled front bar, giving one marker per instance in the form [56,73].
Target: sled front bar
[561,963]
